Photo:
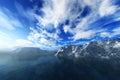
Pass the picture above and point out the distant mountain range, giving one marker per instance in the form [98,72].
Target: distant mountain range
[28,50]
[26,53]
[30,53]
[97,49]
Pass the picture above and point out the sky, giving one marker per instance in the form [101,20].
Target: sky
[50,24]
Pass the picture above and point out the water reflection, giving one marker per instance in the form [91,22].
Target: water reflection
[53,68]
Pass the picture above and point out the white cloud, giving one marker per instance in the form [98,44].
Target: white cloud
[48,42]
[27,13]
[58,11]
[54,12]
[5,40]
[8,20]
[67,29]
[116,31]
[40,39]
[105,34]
[83,35]
[34,35]
[24,43]
[106,8]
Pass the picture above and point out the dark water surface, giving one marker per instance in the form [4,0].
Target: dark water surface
[54,68]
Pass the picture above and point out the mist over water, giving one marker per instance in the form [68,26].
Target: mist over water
[55,68]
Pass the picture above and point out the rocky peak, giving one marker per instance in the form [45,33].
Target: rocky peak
[101,49]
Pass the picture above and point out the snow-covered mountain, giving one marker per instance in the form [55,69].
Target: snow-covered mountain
[98,49]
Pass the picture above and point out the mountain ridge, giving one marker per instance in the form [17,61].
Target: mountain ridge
[101,49]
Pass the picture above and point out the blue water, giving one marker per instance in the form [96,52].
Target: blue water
[54,68]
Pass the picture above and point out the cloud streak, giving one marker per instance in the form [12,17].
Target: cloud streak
[8,19]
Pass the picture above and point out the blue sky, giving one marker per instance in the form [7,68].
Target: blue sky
[50,24]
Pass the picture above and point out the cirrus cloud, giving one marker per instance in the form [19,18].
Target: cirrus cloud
[8,20]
